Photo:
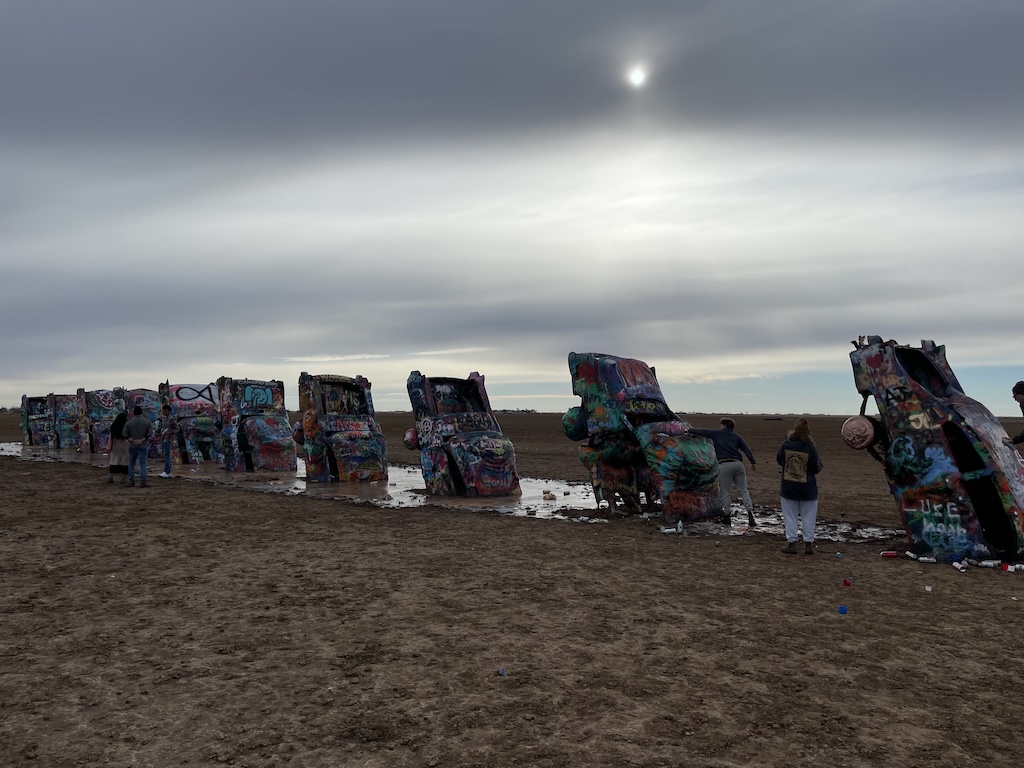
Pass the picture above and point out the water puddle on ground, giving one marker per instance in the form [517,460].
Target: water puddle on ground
[541,499]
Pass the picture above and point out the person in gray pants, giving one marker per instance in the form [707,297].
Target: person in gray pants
[730,449]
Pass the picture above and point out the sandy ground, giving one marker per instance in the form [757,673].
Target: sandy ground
[187,624]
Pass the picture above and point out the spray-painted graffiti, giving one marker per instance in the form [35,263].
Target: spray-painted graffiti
[255,433]
[341,437]
[196,409]
[636,445]
[462,449]
[958,488]
[66,420]
[36,421]
[98,413]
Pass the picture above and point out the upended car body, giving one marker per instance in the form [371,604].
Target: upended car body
[36,421]
[342,439]
[97,413]
[636,444]
[462,449]
[195,407]
[67,417]
[958,488]
[255,433]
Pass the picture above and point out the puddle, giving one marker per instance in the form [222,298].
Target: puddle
[541,499]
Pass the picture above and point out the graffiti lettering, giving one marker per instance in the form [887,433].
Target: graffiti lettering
[258,395]
[941,525]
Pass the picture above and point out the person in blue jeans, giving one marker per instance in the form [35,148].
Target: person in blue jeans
[139,431]
[168,436]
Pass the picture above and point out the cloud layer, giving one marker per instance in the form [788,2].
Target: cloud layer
[257,188]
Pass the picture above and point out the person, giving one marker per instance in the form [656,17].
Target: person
[168,436]
[729,449]
[298,434]
[138,430]
[118,444]
[800,463]
[1018,395]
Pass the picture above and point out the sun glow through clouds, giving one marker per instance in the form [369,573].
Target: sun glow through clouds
[637,76]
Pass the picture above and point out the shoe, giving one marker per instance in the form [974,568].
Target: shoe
[164,475]
[808,548]
[750,520]
[142,485]
[131,485]
[789,549]
[110,481]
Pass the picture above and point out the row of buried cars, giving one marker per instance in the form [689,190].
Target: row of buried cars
[244,425]
[958,485]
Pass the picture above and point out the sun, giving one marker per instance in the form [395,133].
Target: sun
[636,76]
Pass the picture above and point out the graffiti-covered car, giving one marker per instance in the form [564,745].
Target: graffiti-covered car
[36,421]
[636,445]
[67,418]
[255,433]
[196,408]
[341,436]
[462,449]
[97,410]
[958,488]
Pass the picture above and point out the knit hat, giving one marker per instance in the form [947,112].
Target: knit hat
[801,431]
[1018,388]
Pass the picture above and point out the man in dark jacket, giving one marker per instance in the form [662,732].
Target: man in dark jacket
[730,449]
[1018,395]
[139,430]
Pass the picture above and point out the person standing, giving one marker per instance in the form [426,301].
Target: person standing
[138,430]
[168,436]
[800,463]
[1018,395]
[118,445]
[729,449]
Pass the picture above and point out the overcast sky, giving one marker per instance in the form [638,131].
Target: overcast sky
[197,188]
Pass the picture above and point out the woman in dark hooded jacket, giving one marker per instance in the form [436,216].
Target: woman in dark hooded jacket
[800,463]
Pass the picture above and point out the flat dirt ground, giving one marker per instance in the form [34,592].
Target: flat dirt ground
[188,624]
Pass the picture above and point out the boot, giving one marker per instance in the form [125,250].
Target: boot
[750,519]
[789,549]
[808,548]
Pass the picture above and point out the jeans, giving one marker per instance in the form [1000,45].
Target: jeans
[137,453]
[167,457]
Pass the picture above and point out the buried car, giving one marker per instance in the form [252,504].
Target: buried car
[67,418]
[958,487]
[462,449]
[195,407]
[341,436]
[636,444]
[255,433]
[97,414]
[37,421]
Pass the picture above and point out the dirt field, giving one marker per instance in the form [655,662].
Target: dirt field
[187,624]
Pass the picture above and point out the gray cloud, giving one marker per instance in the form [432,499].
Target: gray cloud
[193,189]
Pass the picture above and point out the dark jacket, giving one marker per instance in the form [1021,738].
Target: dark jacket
[727,443]
[1019,438]
[117,428]
[800,463]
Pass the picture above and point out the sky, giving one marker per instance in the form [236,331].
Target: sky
[255,188]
